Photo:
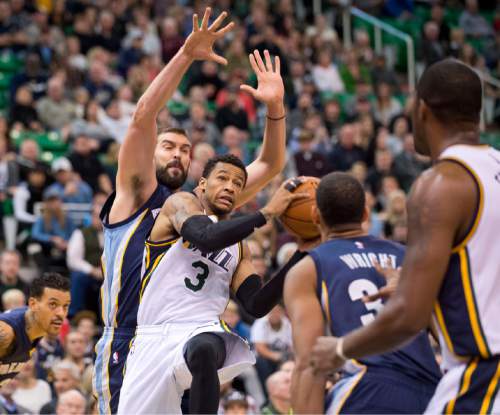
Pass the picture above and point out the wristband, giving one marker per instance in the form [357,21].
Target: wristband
[275,119]
[339,351]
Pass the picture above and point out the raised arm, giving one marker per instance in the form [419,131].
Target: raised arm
[440,208]
[136,177]
[304,311]
[272,157]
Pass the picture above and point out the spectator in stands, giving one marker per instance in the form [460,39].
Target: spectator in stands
[107,35]
[309,162]
[114,121]
[232,317]
[326,75]
[386,106]
[27,195]
[332,116]
[298,114]
[85,323]
[408,164]
[89,125]
[457,42]
[437,16]
[381,74]
[352,72]
[432,48]
[7,403]
[84,261]
[13,298]
[68,185]
[31,392]
[66,377]
[33,76]
[399,128]
[131,55]
[209,79]
[10,264]
[54,110]
[272,338]
[71,402]
[97,83]
[171,40]
[9,172]
[198,118]
[85,162]
[235,403]
[232,114]
[75,347]
[345,153]
[23,115]
[29,159]
[258,256]
[472,23]
[52,231]
[382,168]
[49,352]
[395,212]
[278,387]
[233,141]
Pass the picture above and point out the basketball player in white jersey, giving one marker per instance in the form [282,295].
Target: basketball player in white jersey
[452,267]
[191,264]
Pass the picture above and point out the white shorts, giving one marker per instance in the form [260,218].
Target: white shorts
[156,373]
[471,387]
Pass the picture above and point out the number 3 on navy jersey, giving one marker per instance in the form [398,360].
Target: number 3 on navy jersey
[201,276]
[357,290]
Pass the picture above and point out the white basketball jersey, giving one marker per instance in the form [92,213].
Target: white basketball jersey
[468,308]
[180,284]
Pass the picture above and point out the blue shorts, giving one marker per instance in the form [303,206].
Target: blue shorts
[379,391]
[111,350]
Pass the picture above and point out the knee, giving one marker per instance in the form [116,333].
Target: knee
[201,356]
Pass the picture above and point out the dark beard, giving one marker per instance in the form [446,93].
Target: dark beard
[165,179]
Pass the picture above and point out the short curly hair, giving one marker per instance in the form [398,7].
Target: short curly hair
[48,280]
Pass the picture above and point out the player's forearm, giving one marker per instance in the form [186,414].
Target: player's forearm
[308,391]
[162,88]
[272,157]
[394,326]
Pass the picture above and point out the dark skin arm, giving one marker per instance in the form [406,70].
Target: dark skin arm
[441,207]
[304,311]
[7,338]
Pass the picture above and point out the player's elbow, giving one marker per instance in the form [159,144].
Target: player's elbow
[406,321]
[143,113]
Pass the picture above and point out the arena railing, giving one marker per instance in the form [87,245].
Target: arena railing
[378,27]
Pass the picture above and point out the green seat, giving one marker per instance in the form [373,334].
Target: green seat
[10,63]
[51,141]
[5,78]
[177,108]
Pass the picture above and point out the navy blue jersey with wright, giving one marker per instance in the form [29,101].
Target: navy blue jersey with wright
[12,364]
[345,274]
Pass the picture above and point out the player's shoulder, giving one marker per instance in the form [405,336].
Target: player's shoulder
[7,335]
[180,199]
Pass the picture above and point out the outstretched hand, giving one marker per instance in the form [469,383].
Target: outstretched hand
[199,44]
[270,88]
[392,276]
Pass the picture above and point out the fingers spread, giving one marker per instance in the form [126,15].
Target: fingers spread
[214,26]
[225,29]
[218,58]
[253,64]
[259,61]
[277,64]
[248,89]
[269,64]
[196,24]
[206,18]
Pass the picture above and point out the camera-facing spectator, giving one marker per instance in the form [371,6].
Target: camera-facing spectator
[66,377]
[13,298]
[10,264]
[7,404]
[71,402]
[346,152]
[68,185]
[278,387]
[54,110]
[32,393]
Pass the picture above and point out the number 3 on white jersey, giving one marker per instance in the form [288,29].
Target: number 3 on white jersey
[357,290]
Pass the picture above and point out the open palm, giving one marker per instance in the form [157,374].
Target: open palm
[270,88]
[199,44]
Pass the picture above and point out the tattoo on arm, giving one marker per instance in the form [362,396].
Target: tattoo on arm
[6,339]
[181,207]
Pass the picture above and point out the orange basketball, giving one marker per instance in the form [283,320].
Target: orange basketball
[297,218]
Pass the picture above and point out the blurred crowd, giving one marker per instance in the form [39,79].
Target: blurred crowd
[71,72]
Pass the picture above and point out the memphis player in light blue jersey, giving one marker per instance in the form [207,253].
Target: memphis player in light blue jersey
[151,165]
[451,271]
[333,282]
